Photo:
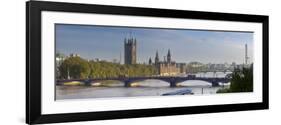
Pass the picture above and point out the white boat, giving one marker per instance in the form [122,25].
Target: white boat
[179,92]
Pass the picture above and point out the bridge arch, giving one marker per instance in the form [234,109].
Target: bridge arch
[194,83]
[160,82]
[212,81]
[104,82]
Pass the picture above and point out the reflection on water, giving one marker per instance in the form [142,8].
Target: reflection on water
[141,88]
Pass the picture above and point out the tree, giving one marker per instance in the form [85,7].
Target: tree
[75,68]
[78,68]
[241,81]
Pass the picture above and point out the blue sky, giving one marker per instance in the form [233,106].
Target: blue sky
[107,43]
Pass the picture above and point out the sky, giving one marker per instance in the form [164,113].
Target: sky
[186,45]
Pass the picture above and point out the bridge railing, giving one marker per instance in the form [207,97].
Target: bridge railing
[157,77]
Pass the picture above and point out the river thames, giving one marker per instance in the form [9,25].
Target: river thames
[142,88]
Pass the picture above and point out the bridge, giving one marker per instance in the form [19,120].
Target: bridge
[172,80]
[212,70]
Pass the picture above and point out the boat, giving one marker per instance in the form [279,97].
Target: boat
[179,92]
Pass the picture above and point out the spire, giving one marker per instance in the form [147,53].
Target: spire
[120,58]
[246,54]
[150,61]
[169,56]
[156,58]
[157,55]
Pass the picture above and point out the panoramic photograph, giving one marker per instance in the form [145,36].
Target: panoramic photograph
[94,61]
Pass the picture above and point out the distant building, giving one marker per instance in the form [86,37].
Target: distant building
[182,67]
[130,47]
[166,67]
[150,61]
[97,59]
[194,67]
[196,64]
[74,55]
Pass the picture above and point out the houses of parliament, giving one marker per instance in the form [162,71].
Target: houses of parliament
[167,67]
[130,54]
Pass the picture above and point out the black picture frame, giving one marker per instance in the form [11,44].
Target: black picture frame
[33,61]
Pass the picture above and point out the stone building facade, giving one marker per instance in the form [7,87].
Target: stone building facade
[130,48]
[166,67]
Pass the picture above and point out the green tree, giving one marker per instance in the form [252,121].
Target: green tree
[75,68]
[241,81]
[78,68]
